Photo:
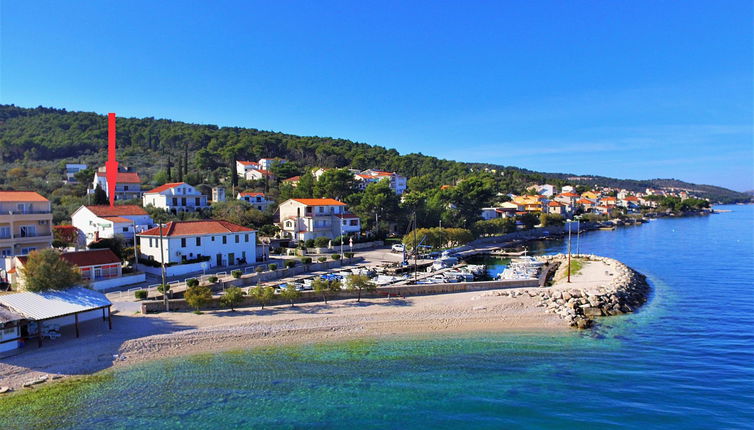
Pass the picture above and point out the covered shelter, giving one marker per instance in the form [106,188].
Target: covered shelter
[10,329]
[62,307]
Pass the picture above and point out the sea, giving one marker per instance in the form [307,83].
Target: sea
[685,360]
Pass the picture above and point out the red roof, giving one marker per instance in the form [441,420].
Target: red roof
[164,187]
[252,194]
[21,196]
[609,199]
[124,177]
[554,204]
[194,228]
[293,179]
[319,202]
[117,210]
[248,163]
[92,257]
[569,195]
[584,202]
[631,199]
[117,219]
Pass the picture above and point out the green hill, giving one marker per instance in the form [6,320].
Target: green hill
[42,140]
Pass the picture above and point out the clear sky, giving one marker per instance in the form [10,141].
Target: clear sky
[631,89]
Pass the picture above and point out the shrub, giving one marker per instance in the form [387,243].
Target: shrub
[198,296]
[233,296]
[236,274]
[322,242]
[193,282]
[163,288]
[140,294]
[212,279]
[335,257]
[306,260]
[310,243]
[349,254]
[259,269]
[290,263]
[322,259]
[273,266]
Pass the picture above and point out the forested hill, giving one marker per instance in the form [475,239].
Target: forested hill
[46,135]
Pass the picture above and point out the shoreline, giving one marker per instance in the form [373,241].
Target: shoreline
[142,338]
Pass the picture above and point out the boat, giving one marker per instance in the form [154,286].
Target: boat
[445,261]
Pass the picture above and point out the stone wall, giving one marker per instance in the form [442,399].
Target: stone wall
[626,291]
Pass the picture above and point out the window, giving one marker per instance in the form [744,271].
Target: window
[125,188]
[4,252]
[238,238]
[4,232]
[183,201]
[354,222]
[175,201]
[28,231]
[225,240]
[25,251]
[321,209]
[213,238]
[246,238]
[125,229]
[183,242]
[198,241]
[197,201]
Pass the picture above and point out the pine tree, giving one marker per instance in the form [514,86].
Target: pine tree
[100,196]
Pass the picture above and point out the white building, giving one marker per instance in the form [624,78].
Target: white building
[304,219]
[127,185]
[25,223]
[258,200]
[568,189]
[397,182]
[71,170]
[499,212]
[175,197]
[267,163]
[225,243]
[546,190]
[101,222]
[218,194]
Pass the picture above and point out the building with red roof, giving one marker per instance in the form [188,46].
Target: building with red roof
[127,187]
[25,223]
[397,182]
[96,222]
[216,242]
[304,219]
[175,197]
[256,199]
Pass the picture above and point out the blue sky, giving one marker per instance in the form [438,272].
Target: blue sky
[637,89]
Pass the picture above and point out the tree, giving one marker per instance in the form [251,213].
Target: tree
[44,270]
[335,183]
[198,296]
[100,196]
[232,297]
[240,212]
[529,220]
[326,287]
[290,293]
[377,200]
[360,283]
[116,244]
[262,294]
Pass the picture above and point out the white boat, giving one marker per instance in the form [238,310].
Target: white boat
[461,275]
[444,261]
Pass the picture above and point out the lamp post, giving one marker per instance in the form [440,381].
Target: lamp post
[569,250]
[164,287]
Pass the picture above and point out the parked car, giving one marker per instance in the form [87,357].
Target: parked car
[398,247]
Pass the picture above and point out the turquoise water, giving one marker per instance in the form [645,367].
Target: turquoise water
[684,361]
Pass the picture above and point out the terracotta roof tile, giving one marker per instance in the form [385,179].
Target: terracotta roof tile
[319,202]
[124,177]
[164,187]
[21,196]
[118,219]
[117,210]
[194,228]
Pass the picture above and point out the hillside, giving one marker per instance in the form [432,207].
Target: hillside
[46,138]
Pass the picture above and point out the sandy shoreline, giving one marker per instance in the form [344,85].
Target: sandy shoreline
[139,338]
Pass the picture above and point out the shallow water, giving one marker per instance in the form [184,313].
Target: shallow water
[685,360]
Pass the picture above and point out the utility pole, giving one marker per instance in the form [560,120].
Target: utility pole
[136,253]
[569,252]
[416,250]
[578,236]
[164,285]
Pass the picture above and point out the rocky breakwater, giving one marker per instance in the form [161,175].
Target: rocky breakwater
[603,287]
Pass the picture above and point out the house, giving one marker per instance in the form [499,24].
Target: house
[604,210]
[591,195]
[25,223]
[293,181]
[221,242]
[71,170]
[629,202]
[244,166]
[608,201]
[531,203]
[303,219]
[268,163]
[175,197]
[397,182]
[102,221]
[567,189]
[567,198]
[258,200]
[95,265]
[557,208]
[546,190]
[218,194]
[319,172]
[127,185]
[258,174]
[499,212]
[586,203]
[512,206]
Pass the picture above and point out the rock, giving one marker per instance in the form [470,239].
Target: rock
[4,390]
[591,311]
[566,296]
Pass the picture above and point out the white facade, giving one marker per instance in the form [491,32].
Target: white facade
[71,170]
[267,163]
[218,194]
[567,189]
[190,240]
[244,166]
[398,183]
[105,222]
[175,197]
[25,223]
[304,219]
[258,200]
[127,186]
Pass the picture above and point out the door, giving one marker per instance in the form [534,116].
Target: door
[219,259]
[231,259]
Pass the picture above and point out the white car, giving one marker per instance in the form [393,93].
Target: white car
[398,247]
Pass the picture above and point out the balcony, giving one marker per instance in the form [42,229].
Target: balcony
[18,239]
